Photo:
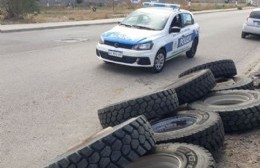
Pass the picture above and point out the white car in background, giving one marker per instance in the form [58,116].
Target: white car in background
[252,24]
[150,36]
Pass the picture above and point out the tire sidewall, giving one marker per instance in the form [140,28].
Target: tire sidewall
[238,116]
[253,100]
[191,155]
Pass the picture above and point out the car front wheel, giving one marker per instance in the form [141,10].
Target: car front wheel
[159,61]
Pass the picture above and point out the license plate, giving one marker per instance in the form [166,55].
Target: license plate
[115,53]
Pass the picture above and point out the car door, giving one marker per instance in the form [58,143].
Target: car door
[172,39]
[187,32]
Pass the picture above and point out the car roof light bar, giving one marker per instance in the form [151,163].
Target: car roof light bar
[157,4]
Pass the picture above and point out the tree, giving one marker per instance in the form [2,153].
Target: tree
[18,8]
[79,1]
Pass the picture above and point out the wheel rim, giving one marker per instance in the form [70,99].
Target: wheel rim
[159,61]
[161,160]
[173,124]
[229,99]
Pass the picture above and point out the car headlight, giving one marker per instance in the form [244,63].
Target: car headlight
[144,46]
[101,40]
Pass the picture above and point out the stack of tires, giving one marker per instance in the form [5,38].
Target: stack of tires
[176,126]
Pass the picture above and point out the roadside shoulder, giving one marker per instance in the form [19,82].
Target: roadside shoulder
[42,26]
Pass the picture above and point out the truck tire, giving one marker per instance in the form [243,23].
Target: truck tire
[151,106]
[220,68]
[179,155]
[113,148]
[235,83]
[191,87]
[196,127]
[239,109]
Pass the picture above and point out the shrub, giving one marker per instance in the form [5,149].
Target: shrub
[79,1]
[18,8]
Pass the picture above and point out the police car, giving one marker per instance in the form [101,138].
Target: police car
[150,36]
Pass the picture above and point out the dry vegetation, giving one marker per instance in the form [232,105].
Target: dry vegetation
[76,14]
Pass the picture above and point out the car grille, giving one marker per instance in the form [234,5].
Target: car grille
[118,45]
[124,59]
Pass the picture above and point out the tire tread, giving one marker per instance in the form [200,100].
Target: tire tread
[115,150]
[220,68]
[151,106]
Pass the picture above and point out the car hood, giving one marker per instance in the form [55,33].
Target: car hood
[128,35]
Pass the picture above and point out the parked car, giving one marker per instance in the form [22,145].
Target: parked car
[252,24]
[150,36]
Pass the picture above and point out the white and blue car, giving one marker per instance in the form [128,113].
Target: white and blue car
[150,36]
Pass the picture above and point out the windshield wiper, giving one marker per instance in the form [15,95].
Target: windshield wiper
[126,25]
[143,27]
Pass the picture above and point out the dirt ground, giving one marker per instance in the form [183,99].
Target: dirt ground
[240,151]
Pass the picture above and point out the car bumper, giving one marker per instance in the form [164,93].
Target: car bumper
[129,58]
[251,29]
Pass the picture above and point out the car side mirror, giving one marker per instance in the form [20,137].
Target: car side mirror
[175,29]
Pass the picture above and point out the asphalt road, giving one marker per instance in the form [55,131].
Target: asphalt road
[52,83]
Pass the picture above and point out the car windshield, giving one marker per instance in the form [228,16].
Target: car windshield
[255,15]
[146,20]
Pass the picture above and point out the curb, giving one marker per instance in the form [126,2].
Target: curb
[218,10]
[44,26]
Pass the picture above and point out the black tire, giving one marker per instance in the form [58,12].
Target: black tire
[112,149]
[239,109]
[243,35]
[235,83]
[191,53]
[196,127]
[160,58]
[175,155]
[220,68]
[106,62]
[151,106]
[191,87]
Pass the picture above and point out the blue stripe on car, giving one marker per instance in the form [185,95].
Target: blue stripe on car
[168,47]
